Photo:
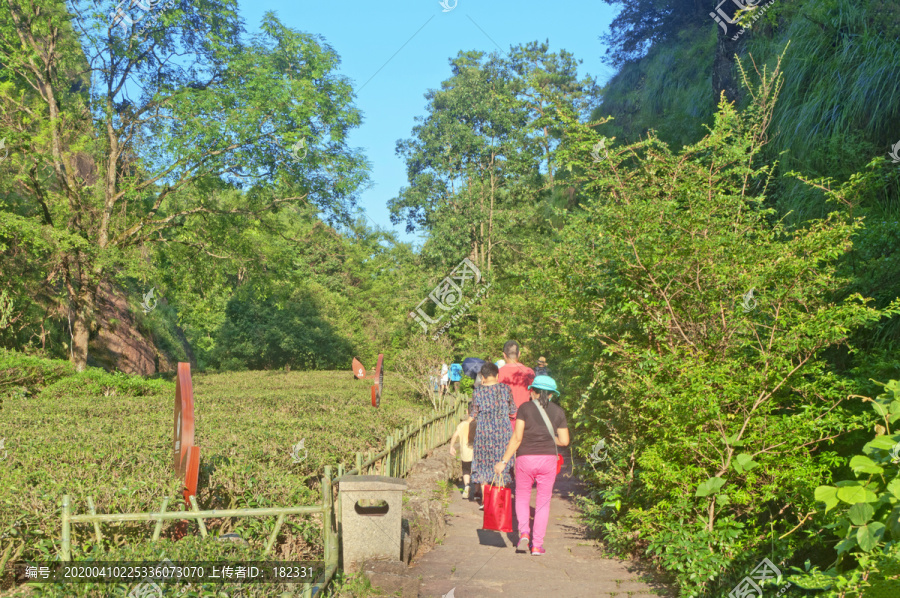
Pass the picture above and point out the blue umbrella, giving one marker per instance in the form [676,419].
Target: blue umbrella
[472,366]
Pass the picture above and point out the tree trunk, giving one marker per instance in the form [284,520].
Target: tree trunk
[723,67]
[481,235]
[81,332]
[549,154]
[490,240]
[81,309]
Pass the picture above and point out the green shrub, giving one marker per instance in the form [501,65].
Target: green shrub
[695,554]
[866,515]
[97,382]
[26,373]
[709,321]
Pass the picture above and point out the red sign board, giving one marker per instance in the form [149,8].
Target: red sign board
[379,381]
[184,418]
[359,372]
[192,474]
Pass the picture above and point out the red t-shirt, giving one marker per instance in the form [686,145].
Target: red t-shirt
[518,377]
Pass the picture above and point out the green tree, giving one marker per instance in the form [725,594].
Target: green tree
[640,23]
[482,170]
[459,156]
[356,282]
[277,330]
[704,320]
[162,112]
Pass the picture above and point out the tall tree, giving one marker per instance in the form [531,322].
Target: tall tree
[490,133]
[481,163]
[164,108]
[461,152]
[642,23]
[544,81]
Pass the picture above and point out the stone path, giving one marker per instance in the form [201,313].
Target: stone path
[476,563]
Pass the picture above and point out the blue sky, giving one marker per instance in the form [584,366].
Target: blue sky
[390,87]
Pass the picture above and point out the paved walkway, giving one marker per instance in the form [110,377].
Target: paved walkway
[475,563]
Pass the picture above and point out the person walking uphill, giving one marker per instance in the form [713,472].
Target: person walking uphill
[445,379]
[466,447]
[456,373]
[517,375]
[541,427]
[492,406]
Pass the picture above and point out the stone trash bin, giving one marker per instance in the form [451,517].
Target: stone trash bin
[370,532]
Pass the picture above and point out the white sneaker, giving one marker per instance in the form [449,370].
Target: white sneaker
[465,493]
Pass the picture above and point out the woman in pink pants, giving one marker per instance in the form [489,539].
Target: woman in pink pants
[540,428]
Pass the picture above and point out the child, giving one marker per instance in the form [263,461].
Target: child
[465,449]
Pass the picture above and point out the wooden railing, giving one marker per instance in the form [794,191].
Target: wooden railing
[325,508]
[405,446]
[403,449]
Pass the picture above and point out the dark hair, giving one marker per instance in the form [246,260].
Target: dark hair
[489,370]
[511,349]
[544,399]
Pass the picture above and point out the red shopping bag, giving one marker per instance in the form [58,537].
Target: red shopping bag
[497,508]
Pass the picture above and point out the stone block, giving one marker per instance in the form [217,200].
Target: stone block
[369,531]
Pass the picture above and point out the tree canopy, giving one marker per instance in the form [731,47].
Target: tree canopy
[705,248]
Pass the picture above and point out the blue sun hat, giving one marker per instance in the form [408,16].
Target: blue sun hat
[544,383]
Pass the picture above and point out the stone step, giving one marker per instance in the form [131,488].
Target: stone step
[390,584]
[472,562]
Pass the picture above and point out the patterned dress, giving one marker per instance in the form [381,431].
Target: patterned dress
[492,407]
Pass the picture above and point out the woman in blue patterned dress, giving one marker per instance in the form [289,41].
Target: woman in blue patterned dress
[492,406]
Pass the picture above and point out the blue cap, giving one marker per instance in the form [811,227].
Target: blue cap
[544,383]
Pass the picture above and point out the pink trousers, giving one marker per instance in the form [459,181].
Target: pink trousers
[531,469]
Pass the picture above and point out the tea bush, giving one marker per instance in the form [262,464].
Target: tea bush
[26,374]
[95,381]
[73,437]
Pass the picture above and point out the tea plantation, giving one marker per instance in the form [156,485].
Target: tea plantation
[109,436]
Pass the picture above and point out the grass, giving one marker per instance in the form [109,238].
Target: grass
[351,586]
[837,111]
[838,108]
[112,439]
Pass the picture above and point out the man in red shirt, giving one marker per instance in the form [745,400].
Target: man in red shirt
[516,375]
